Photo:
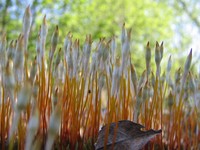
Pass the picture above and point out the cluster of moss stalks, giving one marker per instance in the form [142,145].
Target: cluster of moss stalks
[56,101]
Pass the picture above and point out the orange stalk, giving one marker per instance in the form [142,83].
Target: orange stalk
[3,121]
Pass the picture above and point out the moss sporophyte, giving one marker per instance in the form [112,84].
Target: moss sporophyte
[82,92]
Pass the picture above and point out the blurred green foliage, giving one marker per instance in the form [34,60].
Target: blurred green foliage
[150,20]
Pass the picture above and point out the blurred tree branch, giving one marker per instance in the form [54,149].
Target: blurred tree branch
[194,19]
[4,14]
[190,14]
[34,13]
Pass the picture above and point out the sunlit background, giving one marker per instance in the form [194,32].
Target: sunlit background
[177,23]
[63,99]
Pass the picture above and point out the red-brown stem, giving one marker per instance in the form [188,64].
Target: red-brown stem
[115,134]
[96,111]
[3,121]
[161,114]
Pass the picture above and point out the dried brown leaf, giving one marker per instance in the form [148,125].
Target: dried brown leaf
[128,136]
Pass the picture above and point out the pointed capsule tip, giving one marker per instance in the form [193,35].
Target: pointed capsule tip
[90,38]
[191,51]
[148,43]
[190,54]
[28,10]
[19,36]
[56,27]
[28,7]
[157,44]
[44,19]
[170,56]
[11,42]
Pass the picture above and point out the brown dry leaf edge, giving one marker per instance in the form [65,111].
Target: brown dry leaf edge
[124,135]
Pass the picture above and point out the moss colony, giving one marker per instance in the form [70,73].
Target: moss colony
[56,101]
